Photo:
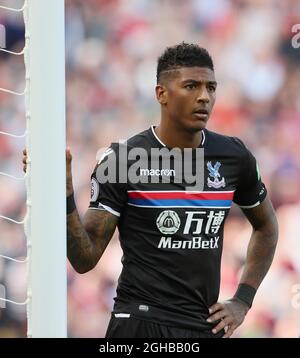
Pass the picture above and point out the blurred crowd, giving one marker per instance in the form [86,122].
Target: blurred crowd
[111,51]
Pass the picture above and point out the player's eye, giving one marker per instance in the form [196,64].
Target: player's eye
[191,86]
[212,88]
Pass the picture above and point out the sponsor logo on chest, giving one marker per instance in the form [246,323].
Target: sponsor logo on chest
[196,222]
[194,243]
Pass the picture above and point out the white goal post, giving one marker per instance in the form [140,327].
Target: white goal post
[46,179]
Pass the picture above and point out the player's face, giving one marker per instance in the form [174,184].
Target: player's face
[191,95]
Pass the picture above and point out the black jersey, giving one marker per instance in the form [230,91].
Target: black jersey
[172,238]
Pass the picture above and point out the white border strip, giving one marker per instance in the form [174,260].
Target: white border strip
[107,208]
[174,206]
[155,135]
[249,206]
[122,315]
[203,137]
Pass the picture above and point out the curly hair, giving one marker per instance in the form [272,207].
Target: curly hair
[183,55]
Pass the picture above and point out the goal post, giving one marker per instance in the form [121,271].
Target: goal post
[46,143]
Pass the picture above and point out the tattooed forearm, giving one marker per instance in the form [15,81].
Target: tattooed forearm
[262,244]
[87,241]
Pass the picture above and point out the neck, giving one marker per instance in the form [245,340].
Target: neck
[174,137]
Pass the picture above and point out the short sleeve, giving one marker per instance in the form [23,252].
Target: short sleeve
[251,191]
[106,192]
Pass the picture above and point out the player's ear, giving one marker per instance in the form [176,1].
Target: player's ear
[161,94]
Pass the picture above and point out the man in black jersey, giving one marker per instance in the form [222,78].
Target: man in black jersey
[171,235]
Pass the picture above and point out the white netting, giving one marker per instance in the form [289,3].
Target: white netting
[23,52]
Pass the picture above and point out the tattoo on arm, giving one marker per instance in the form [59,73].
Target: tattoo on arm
[262,244]
[87,241]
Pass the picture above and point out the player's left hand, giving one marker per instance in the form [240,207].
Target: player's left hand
[231,313]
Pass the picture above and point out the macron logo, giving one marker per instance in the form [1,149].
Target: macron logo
[157,172]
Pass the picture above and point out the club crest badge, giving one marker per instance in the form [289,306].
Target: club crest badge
[218,182]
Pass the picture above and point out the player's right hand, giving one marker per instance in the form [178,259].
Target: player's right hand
[68,167]
[24,161]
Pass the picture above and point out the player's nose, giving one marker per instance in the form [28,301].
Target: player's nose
[203,95]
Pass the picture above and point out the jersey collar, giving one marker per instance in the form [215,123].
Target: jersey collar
[163,144]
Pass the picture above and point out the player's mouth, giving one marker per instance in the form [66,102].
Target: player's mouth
[201,113]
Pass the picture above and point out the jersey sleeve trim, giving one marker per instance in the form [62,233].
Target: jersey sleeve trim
[105,154]
[250,206]
[107,208]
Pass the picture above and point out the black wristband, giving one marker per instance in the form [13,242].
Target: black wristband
[245,293]
[71,206]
